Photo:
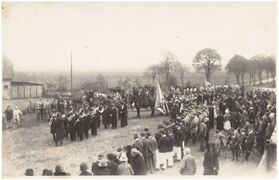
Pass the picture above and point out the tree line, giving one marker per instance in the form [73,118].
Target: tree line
[208,61]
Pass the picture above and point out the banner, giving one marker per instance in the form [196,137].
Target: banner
[207,83]
[160,103]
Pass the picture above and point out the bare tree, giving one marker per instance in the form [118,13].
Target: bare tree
[251,71]
[167,66]
[182,69]
[62,83]
[207,61]
[152,71]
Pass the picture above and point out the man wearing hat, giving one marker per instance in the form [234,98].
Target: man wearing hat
[123,112]
[59,129]
[124,168]
[114,117]
[163,146]
[137,143]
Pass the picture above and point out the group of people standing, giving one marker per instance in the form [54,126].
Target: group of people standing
[80,121]
[14,117]
[220,119]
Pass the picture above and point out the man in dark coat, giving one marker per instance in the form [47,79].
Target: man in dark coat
[102,169]
[137,143]
[94,122]
[203,135]
[112,165]
[123,112]
[72,128]
[220,122]
[138,162]
[79,125]
[9,116]
[146,151]
[106,117]
[171,144]
[114,116]
[52,123]
[153,146]
[59,129]
[163,147]
[178,134]
[86,124]
[209,162]
[211,116]
[174,110]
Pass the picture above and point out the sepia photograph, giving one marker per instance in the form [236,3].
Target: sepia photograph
[153,89]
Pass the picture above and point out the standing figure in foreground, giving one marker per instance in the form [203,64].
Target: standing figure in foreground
[188,164]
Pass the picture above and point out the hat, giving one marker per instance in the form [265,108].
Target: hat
[102,163]
[123,158]
[29,172]
[134,151]
[146,129]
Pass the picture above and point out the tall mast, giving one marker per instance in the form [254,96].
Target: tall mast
[71,76]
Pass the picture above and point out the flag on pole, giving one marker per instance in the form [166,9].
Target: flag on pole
[207,83]
[160,103]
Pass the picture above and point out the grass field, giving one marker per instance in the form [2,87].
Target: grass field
[31,147]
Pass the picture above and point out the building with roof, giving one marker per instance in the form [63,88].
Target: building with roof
[18,89]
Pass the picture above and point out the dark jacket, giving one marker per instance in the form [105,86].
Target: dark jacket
[85,173]
[59,128]
[113,167]
[178,134]
[209,163]
[138,145]
[146,148]
[171,142]
[138,165]
[102,171]
[163,144]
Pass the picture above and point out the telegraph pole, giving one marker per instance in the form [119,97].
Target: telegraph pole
[71,77]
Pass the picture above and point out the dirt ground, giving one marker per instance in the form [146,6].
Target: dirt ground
[32,147]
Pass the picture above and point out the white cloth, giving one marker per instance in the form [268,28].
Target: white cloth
[170,158]
[227,125]
[177,151]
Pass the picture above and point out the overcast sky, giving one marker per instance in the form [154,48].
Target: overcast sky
[132,36]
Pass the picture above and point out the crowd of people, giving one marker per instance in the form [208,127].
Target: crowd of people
[77,120]
[220,119]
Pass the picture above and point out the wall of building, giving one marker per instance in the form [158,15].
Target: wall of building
[27,105]
[27,91]
[7,88]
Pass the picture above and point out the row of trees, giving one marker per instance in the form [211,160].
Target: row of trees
[208,61]
[166,68]
[254,67]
